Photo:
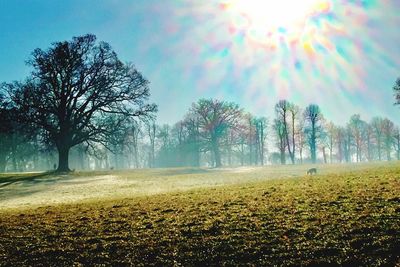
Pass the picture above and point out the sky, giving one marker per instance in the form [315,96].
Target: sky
[343,55]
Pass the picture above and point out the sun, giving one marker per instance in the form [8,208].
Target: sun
[265,18]
[273,13]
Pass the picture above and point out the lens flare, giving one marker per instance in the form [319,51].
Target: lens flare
[272,13]
[268,21]
[337,53]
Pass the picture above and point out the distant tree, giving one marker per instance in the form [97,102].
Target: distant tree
[249,124]
[261,134]
[151,129]
[358,129]
[135,132]
[214,118]
[300,138]
[369,140]
[74,88]
[6,130]
[280,135]
[388,139]
[192,142]
[283,110]
[340,143]
[313,117]
[294,111]
[377,128]
[16,146]
[331,133]
[396,143]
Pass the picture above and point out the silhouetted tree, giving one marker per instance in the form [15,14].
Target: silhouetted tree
[16,146]
[73,89]
[6,129]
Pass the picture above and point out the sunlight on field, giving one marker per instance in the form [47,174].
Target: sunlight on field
[31,190]
[347,216]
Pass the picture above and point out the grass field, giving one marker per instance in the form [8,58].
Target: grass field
[346,215]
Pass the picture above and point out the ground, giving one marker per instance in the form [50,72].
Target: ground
[345,215]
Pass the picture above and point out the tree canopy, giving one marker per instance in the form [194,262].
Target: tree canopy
[79,91]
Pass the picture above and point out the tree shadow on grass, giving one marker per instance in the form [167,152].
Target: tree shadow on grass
[25,184]
[31,178]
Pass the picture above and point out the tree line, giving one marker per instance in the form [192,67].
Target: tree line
[82,106]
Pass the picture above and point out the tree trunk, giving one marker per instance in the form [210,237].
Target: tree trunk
[217,154]
[262,144]
[313,145]
[301,155]
[293,140]
[324,155]
[242,154]
[63,157]
[3,163]
[379,151]
[283,157]
[398,148]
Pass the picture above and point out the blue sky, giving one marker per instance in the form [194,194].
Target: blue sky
[345,58]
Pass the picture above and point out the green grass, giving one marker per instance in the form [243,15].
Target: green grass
[345,216]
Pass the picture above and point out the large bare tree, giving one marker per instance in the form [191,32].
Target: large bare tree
[75,88]
[214,118]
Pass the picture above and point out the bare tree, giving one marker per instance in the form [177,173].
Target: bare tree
[294,112]
[331,132]
[313,117]
[388,132]
[300,138]
[396,141]
[261,129]
[74,88]
[192,127]
[6,132]
[369,140]
[215,117]
[151,132]
[279,131]
[282,111]
[377,126]
[357,128]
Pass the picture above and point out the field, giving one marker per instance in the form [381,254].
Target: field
[347,215]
